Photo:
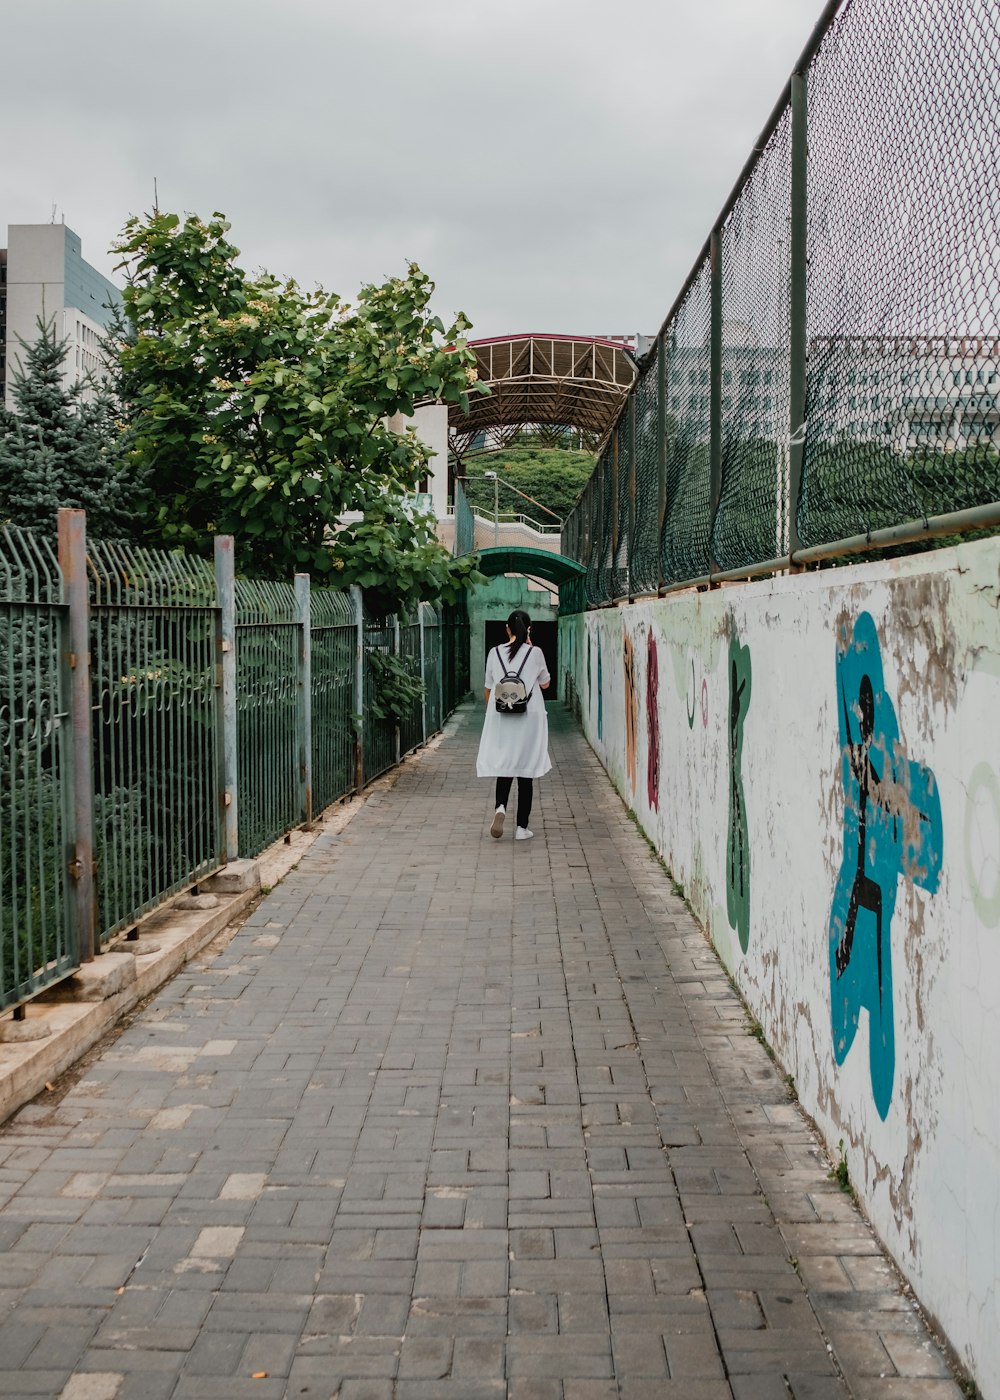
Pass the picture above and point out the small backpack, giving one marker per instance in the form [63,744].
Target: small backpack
[510,694]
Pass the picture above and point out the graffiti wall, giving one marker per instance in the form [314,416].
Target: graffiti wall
[817,759]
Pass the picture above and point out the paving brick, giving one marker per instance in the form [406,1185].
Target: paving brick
[447,1120]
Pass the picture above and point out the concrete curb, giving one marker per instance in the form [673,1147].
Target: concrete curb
[61,1025]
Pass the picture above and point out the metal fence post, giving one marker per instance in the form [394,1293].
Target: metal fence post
[423,674]
[798,346]
[228,785]
[305,699]
[395,652]
[715,392]
[615,517]
[633,453]
[359,687]
[661,452]
[73,565]
[439,608]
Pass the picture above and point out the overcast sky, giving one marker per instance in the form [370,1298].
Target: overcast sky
[554,165]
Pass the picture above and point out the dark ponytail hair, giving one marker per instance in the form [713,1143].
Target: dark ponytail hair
[518,622]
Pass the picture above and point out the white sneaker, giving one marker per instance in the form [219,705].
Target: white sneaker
[497,828]
[523,834]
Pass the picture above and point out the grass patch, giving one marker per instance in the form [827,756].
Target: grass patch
[841,1172]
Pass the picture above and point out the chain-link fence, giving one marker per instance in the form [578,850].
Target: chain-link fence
[207,716]
[828,379]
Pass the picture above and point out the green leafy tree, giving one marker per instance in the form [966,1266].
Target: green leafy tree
[64,446]
[554,476]
[260,409]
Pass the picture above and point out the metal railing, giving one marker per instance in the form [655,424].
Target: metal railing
[154,718]
[380,740]
[827,380]
[269,680]
[465,522]
[334,636]
[36,809]
[408,646]
[157,717]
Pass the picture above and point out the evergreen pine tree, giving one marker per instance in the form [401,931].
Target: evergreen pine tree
[64,446]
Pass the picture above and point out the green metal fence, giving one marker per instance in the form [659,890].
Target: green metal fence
[465,522]
[432,663]
[268,684]
[36,938]
[157,715]
[411,722]
[334,641]
[455,638]
[380,740]
[153,623]
[828,378]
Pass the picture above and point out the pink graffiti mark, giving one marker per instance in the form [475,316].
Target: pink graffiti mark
[704,702]
[652,725]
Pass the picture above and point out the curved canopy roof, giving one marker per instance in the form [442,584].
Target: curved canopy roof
[543,380]
[539,563]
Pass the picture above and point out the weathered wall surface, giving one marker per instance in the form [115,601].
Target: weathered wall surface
[494,601]
[816,758]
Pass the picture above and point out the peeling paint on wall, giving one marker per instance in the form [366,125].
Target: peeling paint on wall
[600,690]
[979,833]
[652,724]
[631,708]
[902,1060]
[892,829]
[738,840]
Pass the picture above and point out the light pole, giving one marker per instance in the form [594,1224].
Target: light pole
[492,476]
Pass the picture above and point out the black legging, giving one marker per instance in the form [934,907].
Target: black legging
[523,797]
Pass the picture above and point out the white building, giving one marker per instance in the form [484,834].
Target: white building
[43,274]
[939,392]
[904,392]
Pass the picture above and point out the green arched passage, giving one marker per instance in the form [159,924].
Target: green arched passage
[566,574]
[539,563]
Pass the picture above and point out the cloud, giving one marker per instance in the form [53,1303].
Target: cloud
[553,164]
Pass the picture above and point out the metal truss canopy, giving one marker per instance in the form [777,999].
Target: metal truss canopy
[544,381]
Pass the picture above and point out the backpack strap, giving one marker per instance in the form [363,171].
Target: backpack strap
[524,663]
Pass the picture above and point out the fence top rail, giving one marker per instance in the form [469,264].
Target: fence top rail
[263,601]
[124,574]
[330,607]
[29,570]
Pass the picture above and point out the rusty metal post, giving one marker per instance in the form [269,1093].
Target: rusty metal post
[304,716]
[228,782]
[73,565]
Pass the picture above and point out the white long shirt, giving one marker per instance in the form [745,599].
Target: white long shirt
[515,746]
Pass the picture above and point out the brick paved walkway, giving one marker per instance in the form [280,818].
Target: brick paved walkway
[449,1117]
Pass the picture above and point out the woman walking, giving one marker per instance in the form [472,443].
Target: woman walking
[515,741]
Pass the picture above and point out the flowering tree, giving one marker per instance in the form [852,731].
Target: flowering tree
[259,410]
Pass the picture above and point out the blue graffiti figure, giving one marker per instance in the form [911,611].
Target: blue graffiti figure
[892,828]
